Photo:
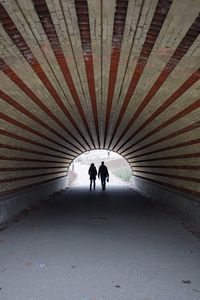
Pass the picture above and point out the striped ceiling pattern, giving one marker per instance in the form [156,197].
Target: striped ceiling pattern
[88,74]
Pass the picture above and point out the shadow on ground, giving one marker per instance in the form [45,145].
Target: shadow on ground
[98,245]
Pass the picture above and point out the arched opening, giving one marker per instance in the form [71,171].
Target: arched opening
[120,171]
[78,75]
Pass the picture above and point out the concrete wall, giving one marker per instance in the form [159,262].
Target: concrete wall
[61,95]
[187,205]
[12,204]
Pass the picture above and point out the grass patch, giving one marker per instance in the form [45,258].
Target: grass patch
[123,173]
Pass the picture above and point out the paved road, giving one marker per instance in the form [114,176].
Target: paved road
[82,177]
[111,245]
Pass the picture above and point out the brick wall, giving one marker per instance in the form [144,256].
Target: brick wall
[78,75]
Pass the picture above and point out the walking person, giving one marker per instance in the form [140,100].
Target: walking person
[103,174]
[93,173]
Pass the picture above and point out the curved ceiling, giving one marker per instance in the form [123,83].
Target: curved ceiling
[87,74]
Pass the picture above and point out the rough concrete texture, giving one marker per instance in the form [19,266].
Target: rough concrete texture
[187,206]
[83,245]
[11,205]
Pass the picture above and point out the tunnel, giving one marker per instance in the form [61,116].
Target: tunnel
[118,75]
[80,75]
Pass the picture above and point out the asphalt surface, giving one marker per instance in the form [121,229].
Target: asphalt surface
[113,245]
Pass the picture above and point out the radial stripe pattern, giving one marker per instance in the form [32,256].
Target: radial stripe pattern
[77,75]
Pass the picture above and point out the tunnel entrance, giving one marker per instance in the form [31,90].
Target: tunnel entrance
[120,171]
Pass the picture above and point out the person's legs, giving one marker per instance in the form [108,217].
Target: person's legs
[103,182]
[94,183]
[90,184]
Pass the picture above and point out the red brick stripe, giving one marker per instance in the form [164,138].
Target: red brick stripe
[49,28]
[178,188]
[117,38]
[177,167]
[27,140]
[192,179]
[6,180]
[184,112]
[29,129]
[15,78]
[84,27]
[180,51]
[21,44]
[29,168]
[10,147]
[27,113]
[183,130]
[170,157]
[160,14]
[176,95]
[176,146]
[15,158]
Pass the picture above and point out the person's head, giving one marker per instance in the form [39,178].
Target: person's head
[102,162]
[92,165]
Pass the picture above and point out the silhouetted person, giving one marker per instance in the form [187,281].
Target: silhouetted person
[93,173]
[103,173]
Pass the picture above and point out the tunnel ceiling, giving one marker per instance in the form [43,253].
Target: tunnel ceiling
[118,74]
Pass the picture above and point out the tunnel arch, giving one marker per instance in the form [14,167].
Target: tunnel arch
[92,151]
[100,153]
[79,84]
